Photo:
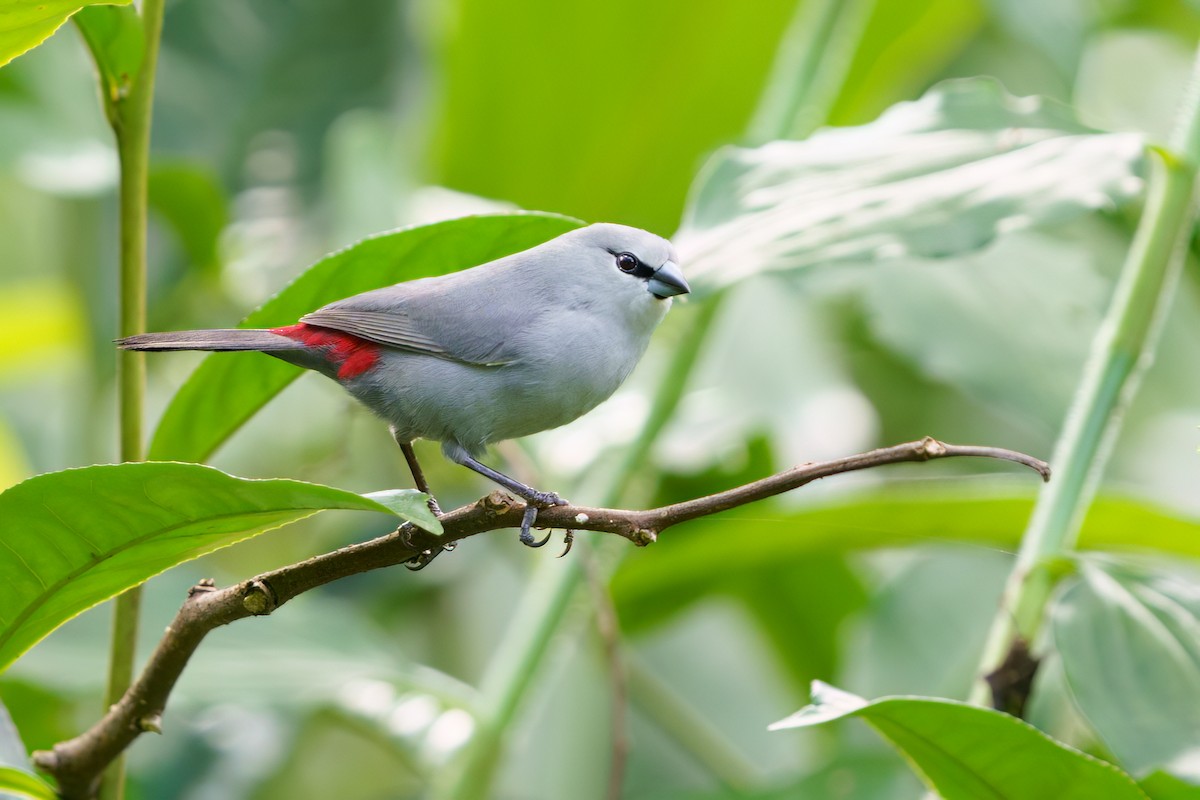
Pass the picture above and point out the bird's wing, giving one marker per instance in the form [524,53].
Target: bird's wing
[447,319]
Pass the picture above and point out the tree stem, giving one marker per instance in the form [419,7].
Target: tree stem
[1122,348]
[131,125]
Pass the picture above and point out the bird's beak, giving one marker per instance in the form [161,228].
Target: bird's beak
[667,281]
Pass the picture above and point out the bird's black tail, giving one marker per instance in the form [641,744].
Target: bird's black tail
[219,339]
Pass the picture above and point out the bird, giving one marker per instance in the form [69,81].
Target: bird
[518,345]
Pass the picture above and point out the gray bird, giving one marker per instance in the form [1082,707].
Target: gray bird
[511,347]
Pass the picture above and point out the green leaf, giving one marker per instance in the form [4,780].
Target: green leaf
[75,538]
[15,774]
[934,178]
[965,752]
[117,39]
[1130,648]
[24,24]
[225,391]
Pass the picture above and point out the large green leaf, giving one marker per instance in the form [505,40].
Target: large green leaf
[24,24]
[934,178]
[72,539]
[965,752]
[698,554]
[225,391]
[16,777]
[1130,648]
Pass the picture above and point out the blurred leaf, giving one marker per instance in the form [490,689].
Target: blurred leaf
[1162,786]
[905,47]
[964,752]
[891,648]
[75,538]
[24,784]
[699,554]
[224,392]
[117,40]
[1130,648]
[942,314]
[193,204]
[608,131]
[801,607]
[41,322]
[24,24]
[934,178]
[15,773]
[13,465]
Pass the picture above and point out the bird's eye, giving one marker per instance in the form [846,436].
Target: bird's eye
[627,262]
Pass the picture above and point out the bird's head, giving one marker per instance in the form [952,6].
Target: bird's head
[630,262]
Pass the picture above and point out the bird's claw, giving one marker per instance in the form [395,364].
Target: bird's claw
[568,540]
[527,520]
[533,503]
[422,559]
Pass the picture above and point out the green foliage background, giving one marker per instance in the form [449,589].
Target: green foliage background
[286,130]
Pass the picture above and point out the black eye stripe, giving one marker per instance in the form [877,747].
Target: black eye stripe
[639,270]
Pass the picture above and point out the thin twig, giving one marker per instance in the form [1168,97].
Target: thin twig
[609,629]
[77,763]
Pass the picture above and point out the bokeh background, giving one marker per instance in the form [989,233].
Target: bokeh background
[287,129]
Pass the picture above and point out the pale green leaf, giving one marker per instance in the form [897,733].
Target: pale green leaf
[934,178]
[1130,648]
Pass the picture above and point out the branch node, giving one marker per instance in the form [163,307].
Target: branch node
[497,503]
[644,536]
[259,598]
[202,586]
[151,723]
[45,760]
[931,448]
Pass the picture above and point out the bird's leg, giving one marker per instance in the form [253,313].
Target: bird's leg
[534,499]
[418,474]
[422,559]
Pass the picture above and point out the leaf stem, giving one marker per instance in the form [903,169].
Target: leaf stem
[810,68]
[1122,348]
[131,118]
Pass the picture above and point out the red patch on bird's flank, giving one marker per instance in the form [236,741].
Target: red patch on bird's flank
[353,355]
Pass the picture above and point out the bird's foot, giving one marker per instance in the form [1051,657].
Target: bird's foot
[422,559]
[533,502]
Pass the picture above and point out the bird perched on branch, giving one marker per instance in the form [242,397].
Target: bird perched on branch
[502,350]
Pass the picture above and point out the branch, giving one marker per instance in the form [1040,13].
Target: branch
[78,763]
